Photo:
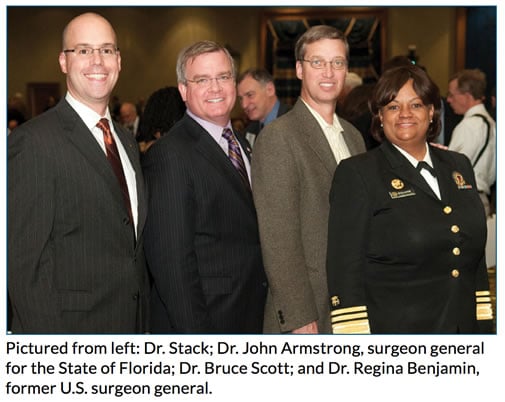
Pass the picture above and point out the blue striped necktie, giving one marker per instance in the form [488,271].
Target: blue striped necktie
[235,156]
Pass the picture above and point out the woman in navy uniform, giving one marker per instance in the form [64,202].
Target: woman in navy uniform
[406,244]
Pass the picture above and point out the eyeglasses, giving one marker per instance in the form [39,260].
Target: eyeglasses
[337,63]
[205,82]
[87,51]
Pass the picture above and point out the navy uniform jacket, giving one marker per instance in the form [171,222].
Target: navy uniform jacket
[399,259]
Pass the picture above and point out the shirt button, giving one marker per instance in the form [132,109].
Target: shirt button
[447,210]
[454,228]
[456,251]
[454,273]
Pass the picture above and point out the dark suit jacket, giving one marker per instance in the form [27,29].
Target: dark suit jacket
[413,260]
[202,242]
[73,265]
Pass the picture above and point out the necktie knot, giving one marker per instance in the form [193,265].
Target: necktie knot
[228,135]
[424,165]
[103,124]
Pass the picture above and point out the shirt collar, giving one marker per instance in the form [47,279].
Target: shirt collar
[214,130]
[324,125]
[476,109]
[414,161]
[273,113]
[88,115]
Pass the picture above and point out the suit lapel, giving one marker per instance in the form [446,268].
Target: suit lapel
[79,135]
[354,144]
[131,148]
[212,152]
[245,146]
[404,170]
[315,136]
[445,171]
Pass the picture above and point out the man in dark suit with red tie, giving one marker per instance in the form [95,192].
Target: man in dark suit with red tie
[202,242]
[76,202]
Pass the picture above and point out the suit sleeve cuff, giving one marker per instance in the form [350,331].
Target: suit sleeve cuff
[484,309]
[350,320]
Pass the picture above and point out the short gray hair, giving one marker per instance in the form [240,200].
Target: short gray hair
[472,81]
[189,53]
[261,75]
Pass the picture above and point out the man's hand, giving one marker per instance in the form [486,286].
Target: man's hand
[310,328]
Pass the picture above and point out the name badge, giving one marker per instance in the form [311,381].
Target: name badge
[401,194]
[398,186]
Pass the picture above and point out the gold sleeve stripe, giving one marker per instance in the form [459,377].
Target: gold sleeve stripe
[484,311]
[349,317]
[484,299]
[482,293]
[348,310]
[352,327]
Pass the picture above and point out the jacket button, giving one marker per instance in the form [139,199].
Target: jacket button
[135,296]
[456,251]
[454,228]
[126,220]
[454,273]
[447,210]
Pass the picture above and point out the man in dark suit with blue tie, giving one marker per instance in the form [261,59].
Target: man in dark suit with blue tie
[76,207]
[202,242]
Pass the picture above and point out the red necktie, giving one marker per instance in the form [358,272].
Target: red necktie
[115,162]
[236,156]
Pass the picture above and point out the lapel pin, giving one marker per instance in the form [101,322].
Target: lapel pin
[458,178]
[397,184]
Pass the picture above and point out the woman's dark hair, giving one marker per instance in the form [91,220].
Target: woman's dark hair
[387,88]
[163,109]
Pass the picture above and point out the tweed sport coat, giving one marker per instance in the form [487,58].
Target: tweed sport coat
[292,169]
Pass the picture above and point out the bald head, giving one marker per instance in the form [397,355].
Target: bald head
[128,113]
[87,22]
[91,72]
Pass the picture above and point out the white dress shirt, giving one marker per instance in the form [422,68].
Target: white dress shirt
[469,137]
[333,133]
